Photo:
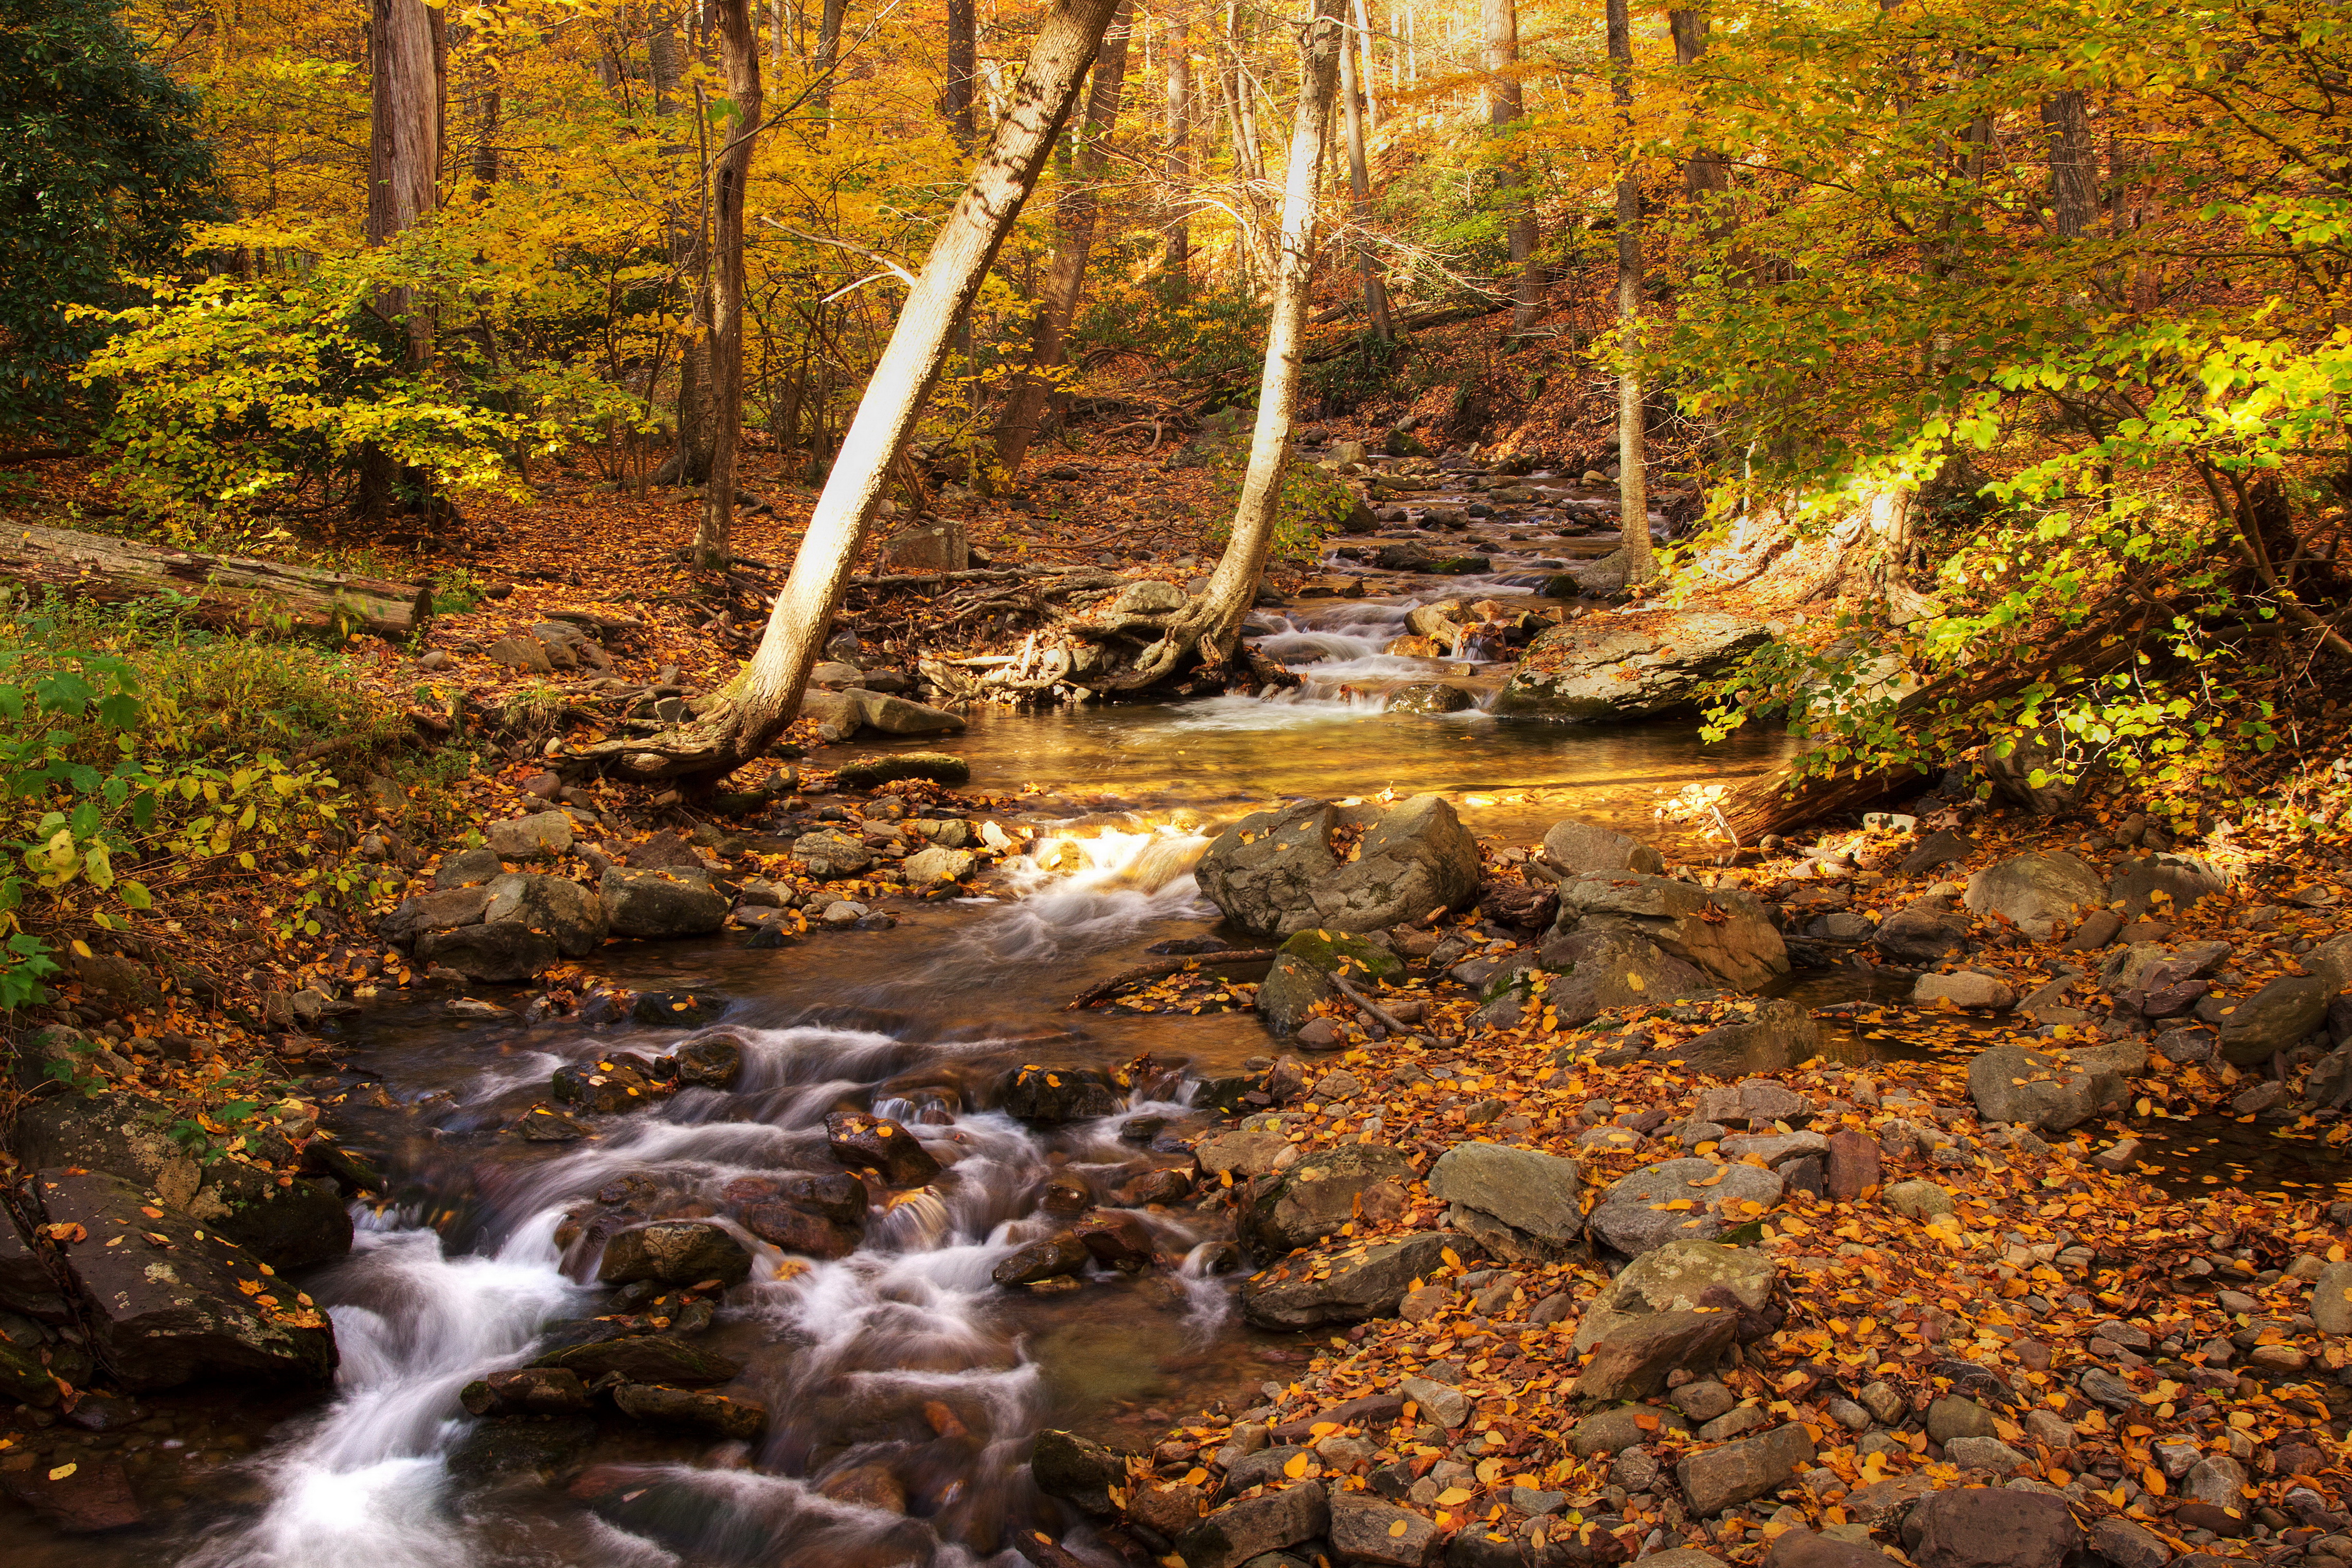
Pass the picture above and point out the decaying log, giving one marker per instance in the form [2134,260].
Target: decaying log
[1242,964]
[1775,803]
[230,591]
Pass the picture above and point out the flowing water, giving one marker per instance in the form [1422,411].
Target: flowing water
[902,1384]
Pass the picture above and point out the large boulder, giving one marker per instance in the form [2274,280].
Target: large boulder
[2053,1093]
[2181,878]
[1057,1094]
[1680,1200]
[1322,1192]
[2273,1018]
[288,1226]
[543,834]
[1991,1527]
[1674,1278]
[1724,931]
[1533,1193]
[862,1141]
[657,903]
[1586,849]
[1922,932]
[675,1252]
[503,953]
[1341,1284]
[1610,669]
[444,910]
[1258,1527]
[1718,1478]
[168,1301]
[841,714]
[1599,971]
[1275,872]
[2037,893]
[1632,1358]
[555,907]
[1287,994]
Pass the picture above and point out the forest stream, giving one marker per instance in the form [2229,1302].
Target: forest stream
[903,1386]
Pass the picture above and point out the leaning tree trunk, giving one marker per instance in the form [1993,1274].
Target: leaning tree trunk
[403,185]
[1632,456]
[761,701]
[730,172]
[1211,625]
[1066,278]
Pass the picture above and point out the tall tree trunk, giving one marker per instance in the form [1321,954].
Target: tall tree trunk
[1179,50]
[1704,173]
[404,78]
[828,53]
[762,698]
[1499,22]
[1368,73]
[1065,279]
[1211,625]
[2074,165]
[1633,459]
[963,67]
[1360,191]
[739,46]
[689,262]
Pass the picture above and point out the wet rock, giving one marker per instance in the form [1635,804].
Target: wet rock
[1365,1530]
[2037,893]
[543,835]
[1677,1276]
[507,952]
[740,1419]
[1057,1094]
[555,907]
[1120,1241]
[1430,696]
[1597,972]
[643,1358]
[1987,1527]
[1718,1478]
[525,1391]
[1966,990]
[864,1142]
[165,1302]
[1322,1192]
[2010,1083]
[1774,1037]
[939,768]
[1632,1361]
[1632,1217]
[675,1252]
[1238,1531]
[1056,1255]
[1359,1280]
[1612,669]
[1274,872]
[713,1062]
[539,1446]
[2273,1018]
[1077,1471]
[798,1231]
[1922,932]
[660,904]
[1723,932]
[607,1086]
[1286,997]
[89,1496]
[1535,1194]
[1167,1511]
[1586,849]
[440,911]
[1246,1153]
[936,866]
[2181,878]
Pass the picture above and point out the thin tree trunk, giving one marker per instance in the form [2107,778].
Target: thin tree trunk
[1632,460]
[1360,190]
[828,54]
[1704,171]
[1370,72]
[730,175]
[2074,165]
[963,66]
[761,701]
[1212,623]
[1500,25]
[1065,279]
[403,185]
[1179,50]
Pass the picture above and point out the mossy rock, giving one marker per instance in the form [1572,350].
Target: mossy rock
[939,768]
[1461,565]
[1404,444]
[1335,953]
[1430,696]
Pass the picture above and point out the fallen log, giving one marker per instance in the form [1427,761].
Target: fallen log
[229,591]
[1779,801]
[1245,963]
